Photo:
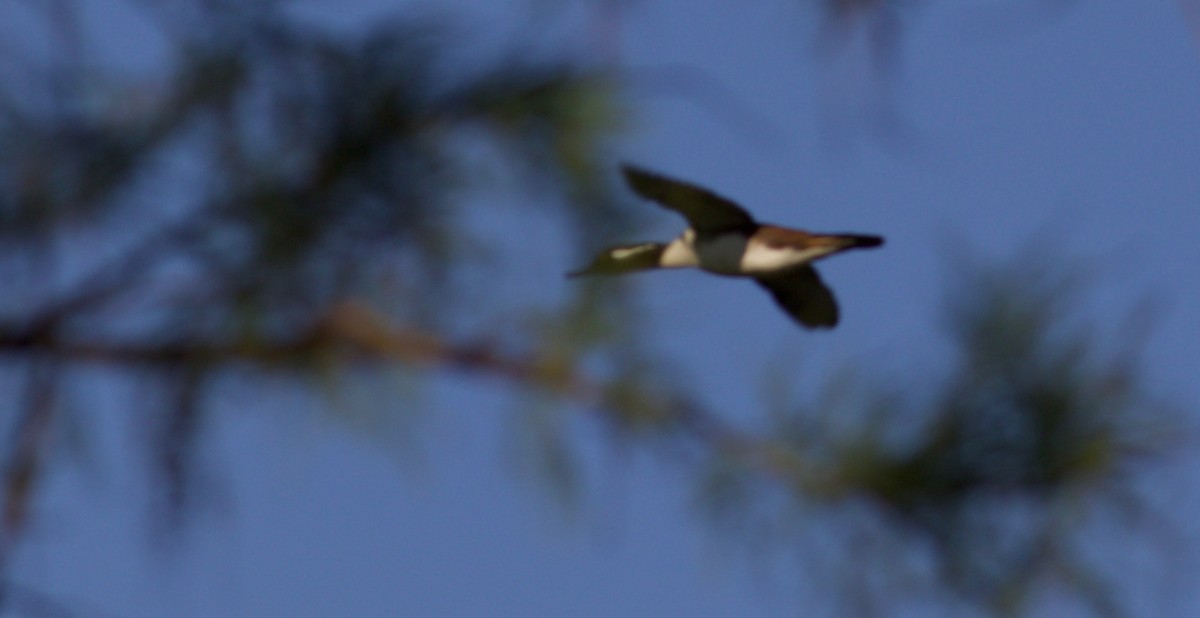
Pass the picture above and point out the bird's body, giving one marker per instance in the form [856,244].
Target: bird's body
[768,251]
[724,239]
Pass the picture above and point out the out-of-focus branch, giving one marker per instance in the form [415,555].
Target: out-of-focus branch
[353,332]
[25,458]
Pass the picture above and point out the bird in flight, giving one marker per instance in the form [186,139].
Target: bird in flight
[723,239]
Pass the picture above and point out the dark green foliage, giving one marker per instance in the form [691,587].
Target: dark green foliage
[999,473]
[245,198]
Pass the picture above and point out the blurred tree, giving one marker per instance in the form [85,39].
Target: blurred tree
[985,488]
[277,197]
[256,200]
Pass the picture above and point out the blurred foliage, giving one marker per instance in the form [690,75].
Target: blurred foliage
[277,197]
[990,485]
[258,194]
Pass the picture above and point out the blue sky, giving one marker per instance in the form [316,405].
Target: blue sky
[1080,126]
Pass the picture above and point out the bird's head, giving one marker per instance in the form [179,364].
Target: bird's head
[623,259]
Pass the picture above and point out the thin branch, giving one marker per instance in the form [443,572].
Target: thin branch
[352,332]
[26,455]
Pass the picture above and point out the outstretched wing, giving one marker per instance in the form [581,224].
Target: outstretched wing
[705,211]
[802,294]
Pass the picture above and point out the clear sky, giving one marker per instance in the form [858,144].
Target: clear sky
[1079,127]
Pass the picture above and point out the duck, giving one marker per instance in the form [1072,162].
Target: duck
[722,238]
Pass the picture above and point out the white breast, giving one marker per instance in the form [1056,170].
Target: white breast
[680,253]
[766,259]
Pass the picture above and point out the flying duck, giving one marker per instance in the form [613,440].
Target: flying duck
[723,239]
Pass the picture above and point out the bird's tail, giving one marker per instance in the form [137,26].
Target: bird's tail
[858,241]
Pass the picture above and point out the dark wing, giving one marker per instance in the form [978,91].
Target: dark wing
[705,211]
[803,295]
